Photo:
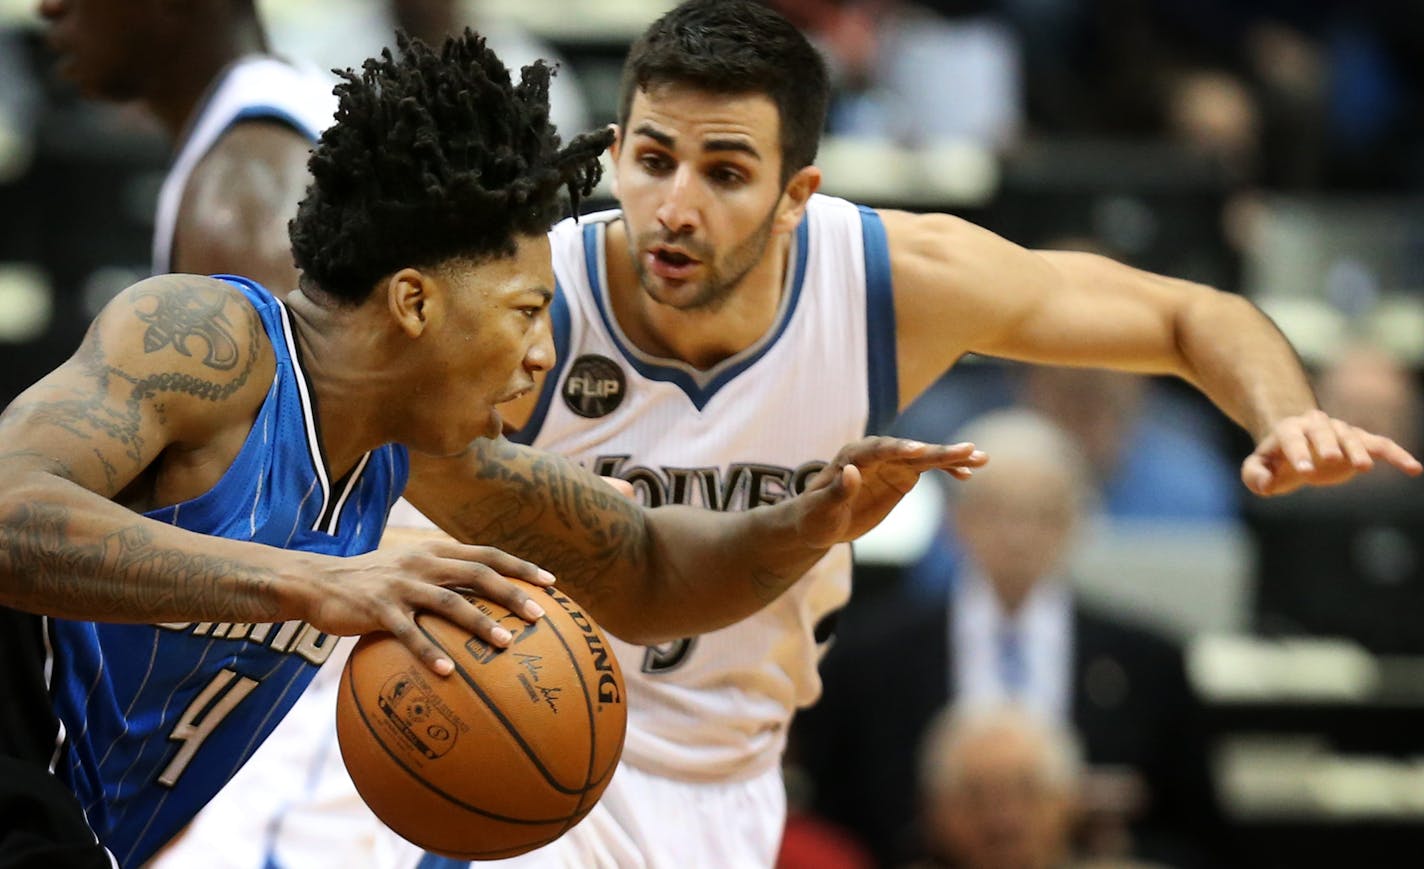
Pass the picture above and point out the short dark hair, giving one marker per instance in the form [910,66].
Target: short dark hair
[433,157]
[736,47]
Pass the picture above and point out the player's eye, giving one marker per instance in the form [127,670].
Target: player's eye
[655,163]
[728,177]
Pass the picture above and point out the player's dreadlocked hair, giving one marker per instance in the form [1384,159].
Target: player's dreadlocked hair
[434,157]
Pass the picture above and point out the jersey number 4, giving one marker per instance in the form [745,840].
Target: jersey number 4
[202,717]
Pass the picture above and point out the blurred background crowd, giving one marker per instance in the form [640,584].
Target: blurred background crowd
[1165,671]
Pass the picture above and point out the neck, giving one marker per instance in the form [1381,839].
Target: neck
[701,338]
[174,97]
[346,400]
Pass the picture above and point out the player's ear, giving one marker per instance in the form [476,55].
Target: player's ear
[614,148]
[411,298]
[792,206]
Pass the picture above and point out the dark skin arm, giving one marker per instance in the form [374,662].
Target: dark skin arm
[653,575]
[151,411]
[235,209]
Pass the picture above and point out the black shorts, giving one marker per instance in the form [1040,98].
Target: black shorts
[42,824]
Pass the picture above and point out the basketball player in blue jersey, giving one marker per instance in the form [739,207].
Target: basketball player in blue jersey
[188,506]
[724,330]
[241,120]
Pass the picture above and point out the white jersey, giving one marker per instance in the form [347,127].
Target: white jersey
[254,87]
[746,432]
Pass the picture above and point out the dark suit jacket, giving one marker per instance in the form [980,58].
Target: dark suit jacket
[1131,705]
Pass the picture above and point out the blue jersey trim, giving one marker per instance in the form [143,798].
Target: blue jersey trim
[883,376]
[698,394]
[435,861]
[274,113]
[562,328]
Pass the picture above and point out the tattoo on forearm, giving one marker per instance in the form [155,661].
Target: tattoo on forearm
[46,462]
[124,577]
[607,529]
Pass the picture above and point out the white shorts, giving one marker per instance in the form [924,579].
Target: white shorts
[646,821]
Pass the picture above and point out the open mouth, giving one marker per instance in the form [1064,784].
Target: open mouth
[673,257]
[518,393]
[671,263]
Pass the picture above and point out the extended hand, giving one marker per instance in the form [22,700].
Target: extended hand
[1314,449]
[868,478]
[418,570]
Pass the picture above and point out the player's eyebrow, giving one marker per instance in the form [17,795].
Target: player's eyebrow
[731,145]
[711,145]
[655,134]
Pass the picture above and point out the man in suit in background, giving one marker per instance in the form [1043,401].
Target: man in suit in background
[1012,630]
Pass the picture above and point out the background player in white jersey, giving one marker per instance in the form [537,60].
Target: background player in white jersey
[721,332]
[241,120]
[203,416]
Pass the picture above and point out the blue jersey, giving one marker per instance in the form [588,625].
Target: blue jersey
[155,718]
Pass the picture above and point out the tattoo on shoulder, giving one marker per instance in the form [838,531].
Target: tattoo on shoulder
[180,316]
[143,582]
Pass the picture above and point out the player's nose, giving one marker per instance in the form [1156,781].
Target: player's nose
[541,353]
[680,210]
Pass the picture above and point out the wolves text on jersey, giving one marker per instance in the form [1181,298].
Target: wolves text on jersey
[742,486]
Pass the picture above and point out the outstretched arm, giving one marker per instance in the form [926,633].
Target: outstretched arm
[653,575]
[960,289]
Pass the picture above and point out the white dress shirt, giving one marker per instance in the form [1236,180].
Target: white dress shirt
[1043,624]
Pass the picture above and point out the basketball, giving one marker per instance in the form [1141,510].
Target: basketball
[503,755]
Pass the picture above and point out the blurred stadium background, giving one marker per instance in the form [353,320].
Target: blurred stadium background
[1270,148]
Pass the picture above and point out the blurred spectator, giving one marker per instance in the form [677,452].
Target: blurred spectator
[1215,113]
[999,790]
[342,35]
[1373,389]
[1149,456]
[1348,561]
[1011,628]
[914,72]
[1146,465]
[1329,89]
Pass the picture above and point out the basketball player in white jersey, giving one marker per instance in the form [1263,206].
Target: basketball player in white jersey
[719,335]
[241,121]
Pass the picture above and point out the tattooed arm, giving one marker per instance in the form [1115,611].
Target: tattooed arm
[654,575]
[175,367]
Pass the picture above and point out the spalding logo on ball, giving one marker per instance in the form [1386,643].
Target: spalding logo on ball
[503,755]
